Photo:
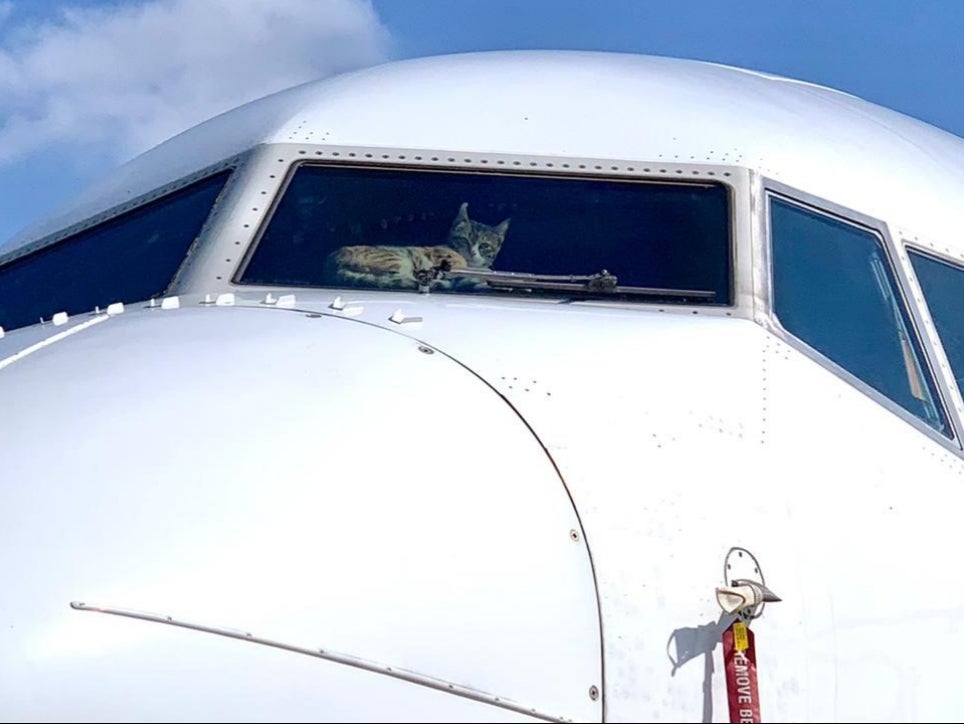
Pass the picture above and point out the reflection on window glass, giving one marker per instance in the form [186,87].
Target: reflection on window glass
[127,259]
[943,287]
[484,232]
[834,289]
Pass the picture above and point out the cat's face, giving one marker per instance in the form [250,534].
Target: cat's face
[479,243]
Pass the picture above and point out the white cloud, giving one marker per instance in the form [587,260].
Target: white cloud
[133,74]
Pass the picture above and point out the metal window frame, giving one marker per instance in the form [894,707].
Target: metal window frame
[878,229]
[118,212]
[942,359]
[288,158]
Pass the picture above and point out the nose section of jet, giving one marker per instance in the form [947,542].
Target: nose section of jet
[314,481]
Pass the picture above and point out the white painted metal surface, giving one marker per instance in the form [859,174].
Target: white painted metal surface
[529,500]
[398,513]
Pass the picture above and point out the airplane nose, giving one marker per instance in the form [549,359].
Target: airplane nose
[316,481]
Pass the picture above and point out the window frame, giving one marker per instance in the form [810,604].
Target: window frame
[878,228]
[734,181]
[118,214]
[908,247]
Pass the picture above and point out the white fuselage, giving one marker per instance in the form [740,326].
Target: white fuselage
[487,507]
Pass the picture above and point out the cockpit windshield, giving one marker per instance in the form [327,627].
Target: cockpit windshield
[486,232]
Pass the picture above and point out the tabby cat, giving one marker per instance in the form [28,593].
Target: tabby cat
[470,244]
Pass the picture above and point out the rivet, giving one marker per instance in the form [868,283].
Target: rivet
[574,534]
[593,693]
[426,350]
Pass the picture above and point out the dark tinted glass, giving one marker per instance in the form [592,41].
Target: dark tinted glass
[943,287]
[374,228]
[834,289]
[127,259]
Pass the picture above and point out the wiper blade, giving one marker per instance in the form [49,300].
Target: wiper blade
[600,283]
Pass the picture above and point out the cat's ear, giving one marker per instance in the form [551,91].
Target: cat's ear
[503,227]
[463,216]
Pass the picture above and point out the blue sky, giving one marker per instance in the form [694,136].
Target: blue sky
[86,84]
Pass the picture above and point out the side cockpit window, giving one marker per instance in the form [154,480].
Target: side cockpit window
[478,233]
[127,259]
[834,289]
[943,287]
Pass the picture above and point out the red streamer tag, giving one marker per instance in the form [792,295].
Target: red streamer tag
[739,657]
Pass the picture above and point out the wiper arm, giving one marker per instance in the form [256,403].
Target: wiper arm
[600,283]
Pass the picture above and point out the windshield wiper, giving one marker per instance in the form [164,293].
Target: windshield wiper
[600,283]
